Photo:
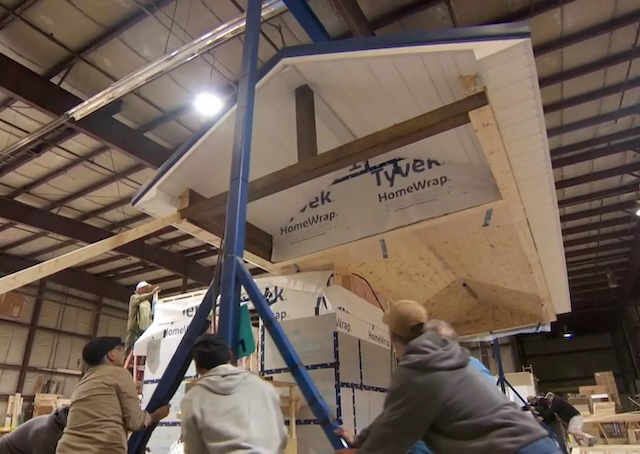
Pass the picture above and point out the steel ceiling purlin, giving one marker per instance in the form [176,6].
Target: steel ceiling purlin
[599,260]
[78,280]
[615,235]
[590,143]
[622,206]
[596,153]
[47,97]
[61,225]
[77,195]
[598,195]
[599,175]
[593,121]
[594,95]
[588,33]
[18,10]
[588,68]
[596,250]
[597,225]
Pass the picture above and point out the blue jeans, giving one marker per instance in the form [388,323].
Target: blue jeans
[543,446]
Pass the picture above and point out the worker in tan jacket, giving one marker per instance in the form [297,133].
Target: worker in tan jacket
[140,312]
[104,404]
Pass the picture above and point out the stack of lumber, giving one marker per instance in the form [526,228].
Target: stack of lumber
[14,411]
[608,381]
[45,404]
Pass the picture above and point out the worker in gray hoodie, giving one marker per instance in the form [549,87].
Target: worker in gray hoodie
[437,397]
[39,435]
[229,409]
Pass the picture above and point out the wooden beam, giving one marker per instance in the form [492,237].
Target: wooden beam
[306,123]
[353,17]
[78,280]
[399,135]
[44,220]
[61,263]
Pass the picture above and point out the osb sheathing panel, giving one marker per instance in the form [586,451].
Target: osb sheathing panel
[430,263]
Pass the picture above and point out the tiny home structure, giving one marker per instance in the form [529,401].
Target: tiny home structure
[419,162]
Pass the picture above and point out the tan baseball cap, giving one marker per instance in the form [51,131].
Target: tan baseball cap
[406,318]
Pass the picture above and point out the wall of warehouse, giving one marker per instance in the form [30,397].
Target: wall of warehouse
[562,365]
[41,340]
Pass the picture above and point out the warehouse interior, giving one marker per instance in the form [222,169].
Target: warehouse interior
[75,185]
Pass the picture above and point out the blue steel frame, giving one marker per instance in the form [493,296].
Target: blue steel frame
[502,380]
[234,273]
[301,10]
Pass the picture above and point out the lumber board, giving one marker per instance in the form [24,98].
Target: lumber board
[47,268]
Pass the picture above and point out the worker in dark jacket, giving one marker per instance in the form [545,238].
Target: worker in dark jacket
[38,435]
[437,397]
[568,414]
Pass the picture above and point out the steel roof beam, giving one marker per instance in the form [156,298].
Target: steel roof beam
[599,175]
[78,280]
[592,95]
[588,144]
[595,153]
[605,193]
[615,235]
[16,11]
[588,68]
[74,196]
[598,119]
[597,225]
[596,250]
[50,99]
[588,33]
[60,225]
[622,206]
[599,260]
[615,266]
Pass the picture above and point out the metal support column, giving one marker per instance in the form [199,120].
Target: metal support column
[498,357]
[234,229]
[502,379]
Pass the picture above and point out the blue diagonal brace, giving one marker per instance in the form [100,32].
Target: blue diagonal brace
[308,20]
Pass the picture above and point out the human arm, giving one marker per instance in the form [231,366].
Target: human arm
[134,417]
[408,412]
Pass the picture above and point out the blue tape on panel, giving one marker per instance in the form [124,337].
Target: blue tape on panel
[487,217]
[383,248]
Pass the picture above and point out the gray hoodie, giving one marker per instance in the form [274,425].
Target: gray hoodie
[39,435]
[231,410]
[435,396]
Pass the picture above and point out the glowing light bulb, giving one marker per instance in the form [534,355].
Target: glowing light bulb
[208,104]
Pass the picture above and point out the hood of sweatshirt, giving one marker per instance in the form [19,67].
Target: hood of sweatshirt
[224,379]
[59,417]
[431,352]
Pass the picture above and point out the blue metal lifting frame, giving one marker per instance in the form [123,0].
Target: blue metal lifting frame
[234,272]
